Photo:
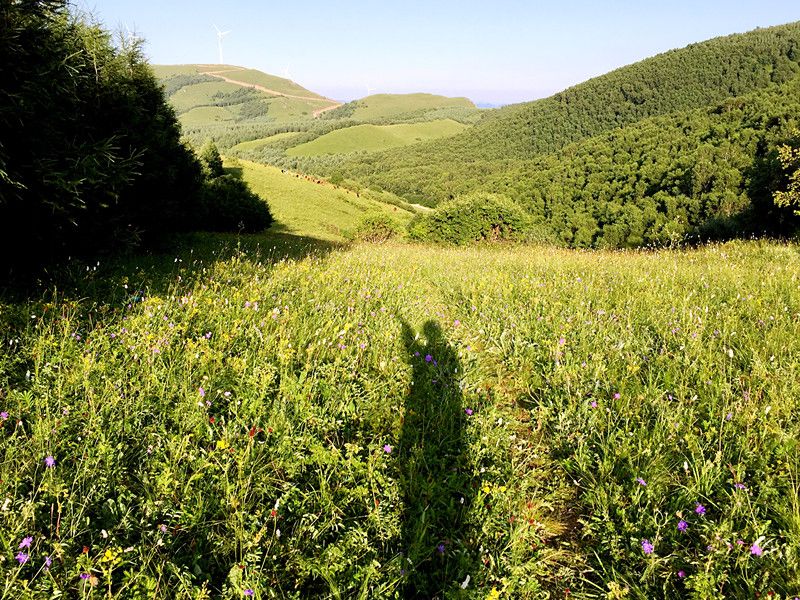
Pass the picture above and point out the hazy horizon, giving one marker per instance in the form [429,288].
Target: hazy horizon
[510,52]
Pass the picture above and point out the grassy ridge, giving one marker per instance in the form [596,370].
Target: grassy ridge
[386,421]
[381,106]
[203,100]
[373,138]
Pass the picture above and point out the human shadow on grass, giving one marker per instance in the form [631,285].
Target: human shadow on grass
[435,469]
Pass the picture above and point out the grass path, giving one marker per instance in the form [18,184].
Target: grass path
[331,104]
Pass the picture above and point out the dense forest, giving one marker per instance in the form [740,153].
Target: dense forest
[684,145]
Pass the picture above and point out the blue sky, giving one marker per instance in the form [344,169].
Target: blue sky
[496,51]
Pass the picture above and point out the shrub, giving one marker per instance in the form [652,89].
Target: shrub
[376,228]
[473,218]
[212,161]
[229,205]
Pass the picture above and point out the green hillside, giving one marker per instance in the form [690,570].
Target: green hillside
[693,77]
[372,138]
[317,210]
[206,95]
[387,106]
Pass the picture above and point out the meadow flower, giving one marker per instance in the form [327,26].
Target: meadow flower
[700,509]
[617,396]
[562,341]
[49,462]
[756,550]
[202,392]
[647,547]
[593,404]
[440,548]
[641,481]
[84,576]
[387,448]
[47,562]
[456,323]
[21,557]
[681,574]
[428,358]
[682,525]
[4,416]
[740,486]
[249,592]
[26,542]
[468,411]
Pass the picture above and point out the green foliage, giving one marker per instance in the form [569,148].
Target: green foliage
[789,155]
[90,157]
[230,205]
[376,228]
[212,161]
[472,218]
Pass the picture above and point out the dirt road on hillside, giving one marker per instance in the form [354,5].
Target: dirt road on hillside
[219,75]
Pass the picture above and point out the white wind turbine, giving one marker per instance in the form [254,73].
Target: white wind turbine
[370,90]
[220,35]
[286,73]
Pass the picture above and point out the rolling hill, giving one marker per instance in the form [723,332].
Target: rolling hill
[204,95]
[686,79]
[373,138]
[391,106]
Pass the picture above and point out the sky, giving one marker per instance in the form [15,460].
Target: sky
[495,52]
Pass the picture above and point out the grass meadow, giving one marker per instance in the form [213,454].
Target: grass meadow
[282,418]
[386,106]
[374,138]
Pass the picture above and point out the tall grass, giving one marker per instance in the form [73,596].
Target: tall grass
[404,421]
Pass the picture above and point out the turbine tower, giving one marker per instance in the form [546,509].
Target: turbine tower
[220,35]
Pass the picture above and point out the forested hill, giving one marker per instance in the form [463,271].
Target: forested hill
[692,77]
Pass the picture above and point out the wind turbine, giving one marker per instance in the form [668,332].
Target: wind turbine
[370,90]
[286,73]
[132,38]
[220,35]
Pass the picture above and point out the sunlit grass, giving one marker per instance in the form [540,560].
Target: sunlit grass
[401,421]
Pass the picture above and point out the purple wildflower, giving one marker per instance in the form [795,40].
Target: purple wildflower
[49,462]
[593,404]
[249,592]
[428,358]
[617,396]
[26,542]
[4,416]
[682,525]
[740,486]
[387,448]
[440,548]
[202,392]
[700,509]
[647,547]
[456,323]
[756,550]
[21,557]
[468,411]
[84,576]
[641,481]
[681,574]
[562,341]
